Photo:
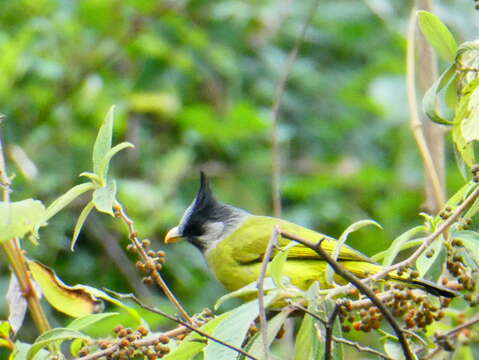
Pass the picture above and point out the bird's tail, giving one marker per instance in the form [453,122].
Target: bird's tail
[428,286]
[360,269]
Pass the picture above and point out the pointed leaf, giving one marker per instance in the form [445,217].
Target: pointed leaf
[81,220]
[470,240]
[18,218]
[103,141]
[429,101]
[64,200]
[398,243]
[438,35]
[470,124]
[88,320]
[276,266]
[233,330]
[194,343]
[342,239]
[424,264]
[245,291]
[393,349]
[71,300]
[274,325]
[102,169]
[54,336]
[17,304]
[104,198]
[104,296]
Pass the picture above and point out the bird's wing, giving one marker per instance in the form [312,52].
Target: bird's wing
[250,240]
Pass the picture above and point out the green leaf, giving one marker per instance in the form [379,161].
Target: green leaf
[194,343]
[76,346]
[423,263]
[103,168]
[274,325]
[103,142]
[22,349]
[64,200]
[5,329]
[393,349]
[104,198]
[104,296]
[429,103]
[465,150]
[81,220]
[470,124]
[276,266]
[342,239]
[233,330]
[85,321]
[54,336]
[308,345]
[20,217]
[245,291]
[398,244]
[438,35]
[470,240]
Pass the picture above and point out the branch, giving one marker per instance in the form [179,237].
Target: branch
[425,244]
[138,343]
[359,347]
[150,264]
[345,274]
[188,325]
[262,312]
[276,170]
[328,348]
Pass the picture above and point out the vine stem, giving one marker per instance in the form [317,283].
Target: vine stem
[133,235]
[17,260]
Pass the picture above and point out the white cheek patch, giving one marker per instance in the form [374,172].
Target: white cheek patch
[213,233]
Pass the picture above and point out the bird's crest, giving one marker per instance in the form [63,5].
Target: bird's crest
[204,198]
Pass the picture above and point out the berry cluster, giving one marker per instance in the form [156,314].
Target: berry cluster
[155,262]
[130,343]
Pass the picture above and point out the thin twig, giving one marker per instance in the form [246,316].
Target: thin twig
[328,347]
[262,312]
[457,329]
[425,244]
[361,348]
[276,158]
[150,265]
[440,339]
[416,125]
[137,343]
[345,274]
[188,325]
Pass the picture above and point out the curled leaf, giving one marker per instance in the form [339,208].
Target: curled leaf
[75,301]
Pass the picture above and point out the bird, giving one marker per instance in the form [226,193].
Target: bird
[234,241]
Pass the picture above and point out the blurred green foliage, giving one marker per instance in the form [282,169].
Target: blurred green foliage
[194,82]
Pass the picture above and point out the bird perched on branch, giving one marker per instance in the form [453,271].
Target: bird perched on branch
[234,242]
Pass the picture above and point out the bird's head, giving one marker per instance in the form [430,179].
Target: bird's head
[206,220]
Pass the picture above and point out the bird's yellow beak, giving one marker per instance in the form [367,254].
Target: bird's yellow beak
[172,236]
